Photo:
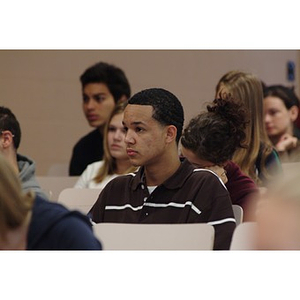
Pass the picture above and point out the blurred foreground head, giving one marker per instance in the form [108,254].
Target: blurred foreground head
[278,214]
[15,206]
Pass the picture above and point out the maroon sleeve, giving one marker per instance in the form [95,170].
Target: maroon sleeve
[240,186]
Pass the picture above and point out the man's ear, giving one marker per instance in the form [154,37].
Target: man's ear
[123,99]
[294,110]
[171,133]
[7,138]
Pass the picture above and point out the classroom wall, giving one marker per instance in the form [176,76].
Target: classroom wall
[42,87]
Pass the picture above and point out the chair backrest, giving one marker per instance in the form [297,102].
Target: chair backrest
[244,237]
[238,213]
[52,186]
[58,169]
[120,236]
[79,199]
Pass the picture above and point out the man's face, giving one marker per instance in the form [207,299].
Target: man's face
[145,138]
[98,103]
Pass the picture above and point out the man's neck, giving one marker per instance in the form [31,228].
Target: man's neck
[160,172]
[122,166]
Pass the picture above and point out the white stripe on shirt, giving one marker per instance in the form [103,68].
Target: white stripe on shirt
[222,221]
[151,204]
[112,207]
[178,205]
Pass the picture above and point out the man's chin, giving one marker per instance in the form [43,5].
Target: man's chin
[135,163]
[95,124]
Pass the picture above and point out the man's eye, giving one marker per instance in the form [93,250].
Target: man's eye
[85,99]
[99,98]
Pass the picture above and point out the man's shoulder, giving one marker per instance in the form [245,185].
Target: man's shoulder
[204,173]
[124,179]
[188,175]
[206,179]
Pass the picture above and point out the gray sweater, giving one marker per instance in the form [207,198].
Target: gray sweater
[27,176]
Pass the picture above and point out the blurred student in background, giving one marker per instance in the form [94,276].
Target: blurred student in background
[115,160]
[210,140]
[259,159]
[103,85]
[10,138]
[28,222]
[281,109]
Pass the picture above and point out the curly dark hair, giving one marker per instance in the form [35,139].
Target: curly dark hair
[216,134]
[167,109]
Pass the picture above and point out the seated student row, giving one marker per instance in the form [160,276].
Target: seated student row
[264,159]
[129,154]
[103,85]
[158,164]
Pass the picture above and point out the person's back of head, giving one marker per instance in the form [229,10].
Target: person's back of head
[167,109]
[248,89]
[245,87]
[110,75]
[286,94]
[278,214]
[14,204]
[9,122]
[215,135]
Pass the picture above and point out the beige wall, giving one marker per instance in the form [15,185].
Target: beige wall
[42,87]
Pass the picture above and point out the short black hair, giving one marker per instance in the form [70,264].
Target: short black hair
[286,94]
[8,121]
[112,76]
[167,108]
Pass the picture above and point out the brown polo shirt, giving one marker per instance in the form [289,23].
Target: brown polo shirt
[188,196]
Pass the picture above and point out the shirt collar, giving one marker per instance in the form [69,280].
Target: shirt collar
[177,180]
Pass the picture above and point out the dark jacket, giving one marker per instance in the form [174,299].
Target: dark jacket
[53,227]
[86,151]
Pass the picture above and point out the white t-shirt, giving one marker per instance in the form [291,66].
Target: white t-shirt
[86,180]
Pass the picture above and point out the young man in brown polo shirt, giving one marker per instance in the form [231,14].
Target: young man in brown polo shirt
[165,189]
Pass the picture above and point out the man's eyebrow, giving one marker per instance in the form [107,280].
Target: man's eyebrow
[135,123]
[95,94]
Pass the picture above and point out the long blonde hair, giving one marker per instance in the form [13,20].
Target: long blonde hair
[14,204]
[247,88]
[109,163]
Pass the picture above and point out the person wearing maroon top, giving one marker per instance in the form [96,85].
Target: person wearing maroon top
[165,189]
[210,140]
[242,189]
